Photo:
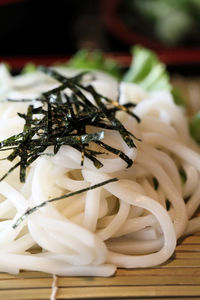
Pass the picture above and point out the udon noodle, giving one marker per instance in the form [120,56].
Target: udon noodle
[132,223]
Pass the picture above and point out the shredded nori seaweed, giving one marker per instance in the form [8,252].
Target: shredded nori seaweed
[62,119]
[35,208]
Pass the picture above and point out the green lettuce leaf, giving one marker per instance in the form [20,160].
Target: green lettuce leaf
[29,68]
[195,127]
[95,60]
[147,71]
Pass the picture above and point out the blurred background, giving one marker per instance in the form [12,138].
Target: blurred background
[51,31]
[57,29]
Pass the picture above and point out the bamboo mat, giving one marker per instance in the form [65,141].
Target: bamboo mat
[178,278]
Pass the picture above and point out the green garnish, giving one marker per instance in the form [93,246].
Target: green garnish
[147,71]
[95,60]
[63,119]
[178,99]
[29,68]
[195,127]
[35,208]
[183,175]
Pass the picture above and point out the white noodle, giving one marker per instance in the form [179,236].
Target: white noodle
[132,223]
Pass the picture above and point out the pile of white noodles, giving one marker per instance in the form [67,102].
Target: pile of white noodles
[132,223]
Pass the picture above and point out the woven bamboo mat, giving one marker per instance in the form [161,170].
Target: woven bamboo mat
[178,278]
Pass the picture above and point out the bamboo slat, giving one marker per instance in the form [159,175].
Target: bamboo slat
[177,278]
[191,240]
[188,247]
[106,292]
[113,281]
[133,291]
[112,292]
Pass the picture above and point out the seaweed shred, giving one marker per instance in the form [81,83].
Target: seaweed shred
[62,119]
[35,208]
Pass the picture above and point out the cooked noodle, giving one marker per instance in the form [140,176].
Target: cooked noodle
[132,223]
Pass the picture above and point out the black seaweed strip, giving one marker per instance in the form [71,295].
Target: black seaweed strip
[9,171]
[64,121]
[114,121]
[35,208]
[91,156]
[117,152]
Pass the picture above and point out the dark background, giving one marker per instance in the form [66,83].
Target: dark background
[53,27]
[38,28]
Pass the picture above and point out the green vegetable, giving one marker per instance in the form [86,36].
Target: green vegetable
[147,71]
[178,99]
[95,60]
[195,127]
[29,68]
[171,21]
[183,175]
